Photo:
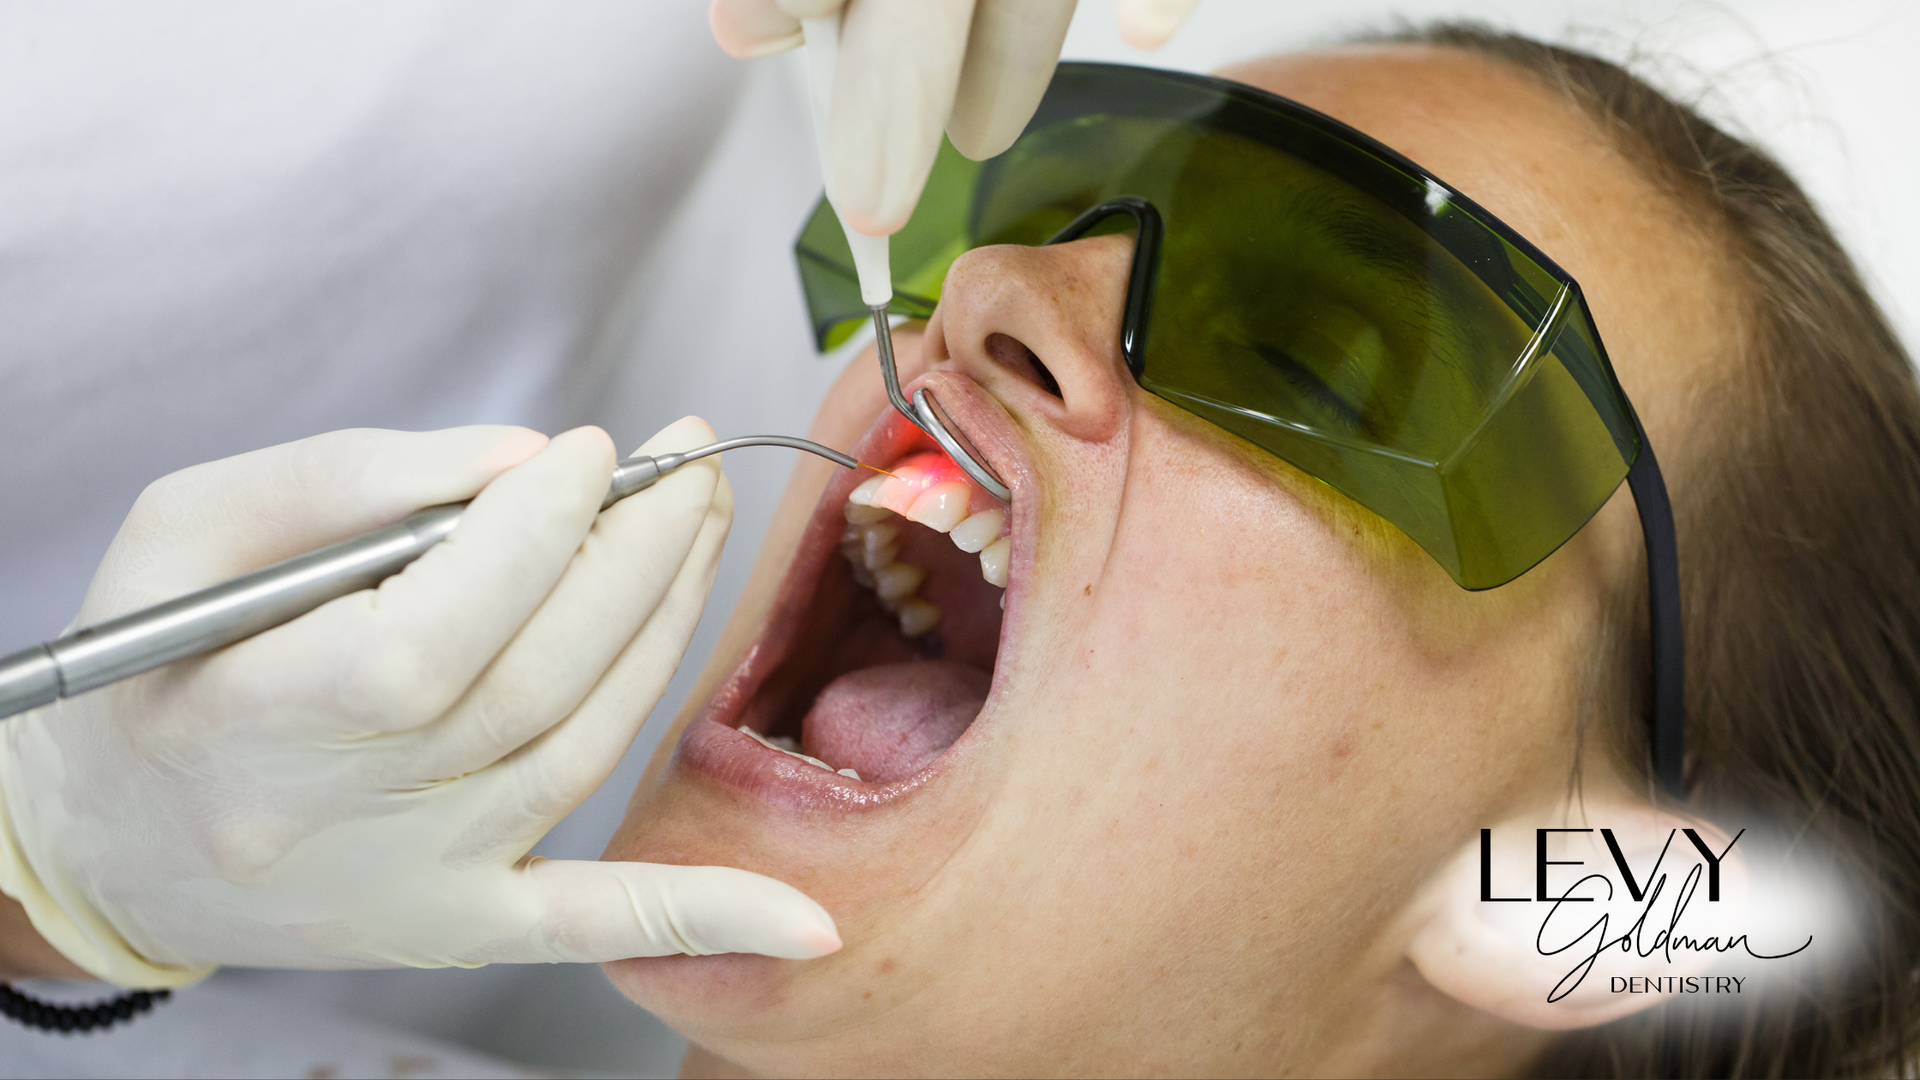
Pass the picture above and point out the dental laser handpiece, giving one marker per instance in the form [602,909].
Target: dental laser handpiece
[871,262]
[220,615]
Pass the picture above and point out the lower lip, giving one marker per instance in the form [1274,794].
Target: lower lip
[723,754]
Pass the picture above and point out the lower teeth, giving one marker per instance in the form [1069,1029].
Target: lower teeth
[786,745]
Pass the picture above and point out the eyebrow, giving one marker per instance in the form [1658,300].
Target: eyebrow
[1357,232]
[1360,232]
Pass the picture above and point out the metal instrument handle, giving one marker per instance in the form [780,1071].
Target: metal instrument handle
[231,611]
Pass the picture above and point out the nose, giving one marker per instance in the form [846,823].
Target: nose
[1039,329]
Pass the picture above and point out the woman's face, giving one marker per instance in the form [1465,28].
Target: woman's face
[1168,811]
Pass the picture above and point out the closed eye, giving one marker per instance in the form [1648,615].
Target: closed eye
[1327,401]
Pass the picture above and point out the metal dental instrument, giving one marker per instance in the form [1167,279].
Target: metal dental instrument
[925,414]
[870,262]
[218,616]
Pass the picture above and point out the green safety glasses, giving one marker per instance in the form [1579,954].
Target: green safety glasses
[1327,300]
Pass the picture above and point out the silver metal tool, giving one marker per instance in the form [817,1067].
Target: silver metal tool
[926,414]
[214,617]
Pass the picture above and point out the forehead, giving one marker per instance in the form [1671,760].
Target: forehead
[1529,156]
[1540,164]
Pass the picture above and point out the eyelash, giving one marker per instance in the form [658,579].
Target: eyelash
[1345,413]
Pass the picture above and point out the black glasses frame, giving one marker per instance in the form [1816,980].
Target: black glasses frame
[1666,721]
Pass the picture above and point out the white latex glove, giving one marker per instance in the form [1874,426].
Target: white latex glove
[909,68]
[360,787]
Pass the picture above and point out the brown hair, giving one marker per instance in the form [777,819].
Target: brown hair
[1799,537]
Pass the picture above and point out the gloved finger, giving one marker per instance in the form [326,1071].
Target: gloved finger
[892,93]
[215,521]
[1147,24]
[550,778]
[749,28]
[1012,49]
[397,655]
[586,912]
[610,590]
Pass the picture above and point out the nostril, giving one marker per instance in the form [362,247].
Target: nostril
[1017,358]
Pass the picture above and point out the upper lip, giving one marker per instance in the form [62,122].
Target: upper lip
[992,432]
[983,423]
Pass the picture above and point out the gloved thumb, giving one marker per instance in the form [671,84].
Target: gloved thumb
[590,912]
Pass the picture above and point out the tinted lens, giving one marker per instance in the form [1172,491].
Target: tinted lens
[1318,296]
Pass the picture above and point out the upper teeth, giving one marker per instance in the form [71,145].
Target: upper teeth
[871,545]
[979,530]
[942,507]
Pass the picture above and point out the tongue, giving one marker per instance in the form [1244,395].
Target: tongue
[889,722]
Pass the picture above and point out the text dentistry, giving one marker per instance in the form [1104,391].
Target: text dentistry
[1677,984]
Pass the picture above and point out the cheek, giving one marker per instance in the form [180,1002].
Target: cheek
[1244,601]
[1252,630]
[1240,676]
[1260,682]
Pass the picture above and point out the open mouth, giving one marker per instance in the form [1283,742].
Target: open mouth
[882,645]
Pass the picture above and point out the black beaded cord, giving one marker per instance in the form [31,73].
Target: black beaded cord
[67,1019]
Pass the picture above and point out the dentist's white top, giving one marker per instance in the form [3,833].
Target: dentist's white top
[225,225]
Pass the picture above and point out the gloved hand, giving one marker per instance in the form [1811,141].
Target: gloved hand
[909,68]
[360,787]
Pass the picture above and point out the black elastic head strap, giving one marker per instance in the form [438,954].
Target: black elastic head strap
[1666,724]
